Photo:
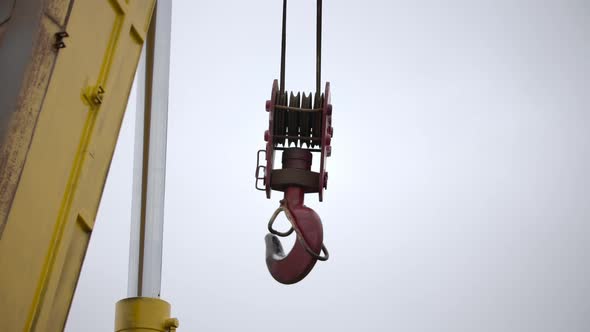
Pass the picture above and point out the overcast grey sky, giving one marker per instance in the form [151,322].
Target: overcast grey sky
[459,195]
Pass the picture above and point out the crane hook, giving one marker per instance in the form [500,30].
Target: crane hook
[299,124]
[293,267]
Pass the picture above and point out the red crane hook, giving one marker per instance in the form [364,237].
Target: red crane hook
[295,179]
[293,267]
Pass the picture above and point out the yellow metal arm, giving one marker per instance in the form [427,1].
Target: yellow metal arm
[68,67]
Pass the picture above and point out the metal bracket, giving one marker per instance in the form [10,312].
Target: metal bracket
[94,95]
[258,168]
[59,37]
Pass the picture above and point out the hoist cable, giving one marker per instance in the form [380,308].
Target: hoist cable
[319,49]
[283,46]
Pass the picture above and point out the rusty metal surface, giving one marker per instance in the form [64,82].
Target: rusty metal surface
[296,172]
[26,58]
[285,178]
[20,23]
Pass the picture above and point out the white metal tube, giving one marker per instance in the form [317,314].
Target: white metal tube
[149,178]
[136,189]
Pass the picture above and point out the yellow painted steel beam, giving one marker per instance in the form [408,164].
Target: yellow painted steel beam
[60,124]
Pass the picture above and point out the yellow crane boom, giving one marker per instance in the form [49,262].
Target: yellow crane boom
[67,67]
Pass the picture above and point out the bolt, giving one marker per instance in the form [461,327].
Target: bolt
[171,323]
[328,150]
[331,131]
[329,109]
[98,95]
[268,105]
[94,95]
[328,140]
[326,180]
[266,135]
